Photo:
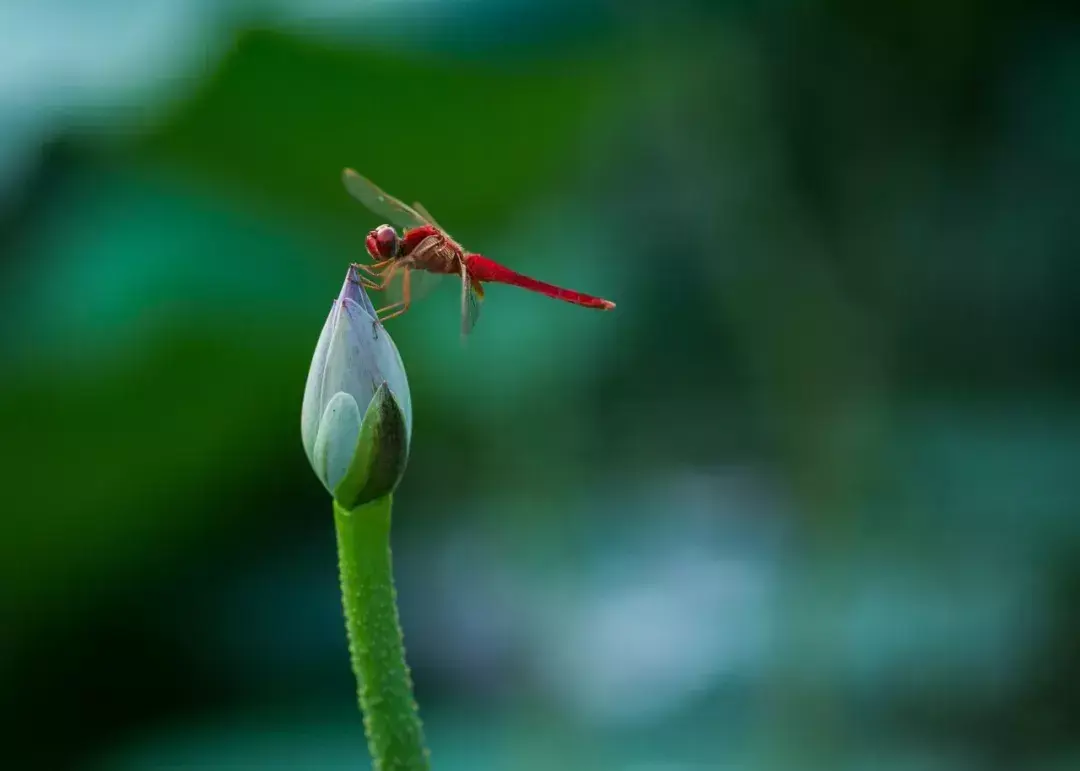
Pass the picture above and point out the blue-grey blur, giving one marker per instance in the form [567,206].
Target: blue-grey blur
[806,499]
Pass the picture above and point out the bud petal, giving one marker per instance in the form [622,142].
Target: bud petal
[335,442]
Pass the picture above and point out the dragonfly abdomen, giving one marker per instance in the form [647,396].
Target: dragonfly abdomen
[483,269]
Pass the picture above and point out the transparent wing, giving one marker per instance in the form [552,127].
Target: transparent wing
[383,204]
[472,295]
[419,207]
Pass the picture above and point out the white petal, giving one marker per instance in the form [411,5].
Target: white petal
[335,444]
[355,355]
[313,401]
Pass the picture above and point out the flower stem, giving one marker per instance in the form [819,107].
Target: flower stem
[384,686]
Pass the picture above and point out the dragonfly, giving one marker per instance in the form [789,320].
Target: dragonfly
[424,249]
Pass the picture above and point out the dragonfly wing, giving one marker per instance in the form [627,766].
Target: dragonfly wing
[421,284]
[381,203]
[472,295]
[419,207]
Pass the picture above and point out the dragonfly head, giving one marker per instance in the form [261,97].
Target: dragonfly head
[382,242]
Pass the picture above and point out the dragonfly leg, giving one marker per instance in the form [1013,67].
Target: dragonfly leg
[386,276]
[373,268]
[366,282]
[399,310]
[401,306]
[393,315]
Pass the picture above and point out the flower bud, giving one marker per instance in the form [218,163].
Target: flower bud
[356,421]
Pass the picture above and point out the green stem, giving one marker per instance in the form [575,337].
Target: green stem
[384,686]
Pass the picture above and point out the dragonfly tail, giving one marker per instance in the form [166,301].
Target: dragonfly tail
[483,269]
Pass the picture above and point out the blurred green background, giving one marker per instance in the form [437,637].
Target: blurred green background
[807,499]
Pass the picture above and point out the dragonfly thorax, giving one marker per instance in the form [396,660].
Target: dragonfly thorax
[428,248]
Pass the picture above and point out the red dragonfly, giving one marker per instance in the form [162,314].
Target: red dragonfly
[425,246]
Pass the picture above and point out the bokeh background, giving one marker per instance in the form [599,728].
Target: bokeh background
[807,499]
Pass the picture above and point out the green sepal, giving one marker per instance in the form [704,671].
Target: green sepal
[382,452]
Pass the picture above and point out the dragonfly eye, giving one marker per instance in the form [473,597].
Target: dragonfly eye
[386,241]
